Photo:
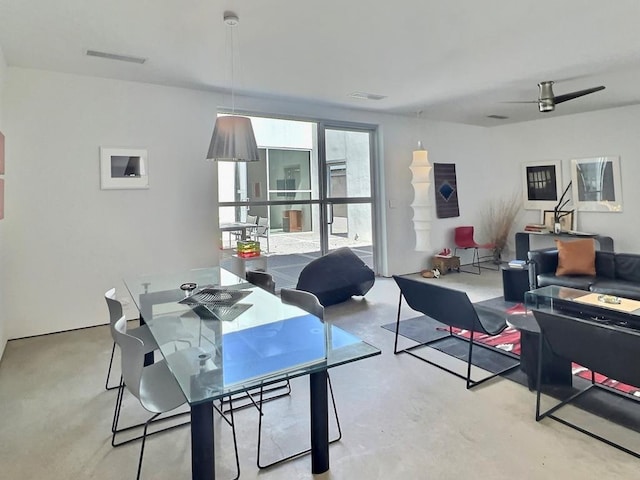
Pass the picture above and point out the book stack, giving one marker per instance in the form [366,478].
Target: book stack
[248,248]
[535,227]
[517,264]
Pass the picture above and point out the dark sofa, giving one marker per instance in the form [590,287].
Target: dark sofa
[616,273]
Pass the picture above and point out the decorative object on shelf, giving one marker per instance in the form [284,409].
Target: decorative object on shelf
[597,184]
[496,220]
[421,181]
[446,190]
[558,221]
[536,227]
[123,168]
[233,139]
[248,248]
[541,184]
[559,213]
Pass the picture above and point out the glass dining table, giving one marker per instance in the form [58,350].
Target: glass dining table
[221,335]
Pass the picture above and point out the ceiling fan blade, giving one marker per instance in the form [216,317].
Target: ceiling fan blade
[579,93]
[520,101]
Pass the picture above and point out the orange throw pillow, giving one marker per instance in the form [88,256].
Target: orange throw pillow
[577,257]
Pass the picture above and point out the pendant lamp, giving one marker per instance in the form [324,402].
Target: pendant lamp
[233,139]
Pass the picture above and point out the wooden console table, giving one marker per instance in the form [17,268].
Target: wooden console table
[522,241]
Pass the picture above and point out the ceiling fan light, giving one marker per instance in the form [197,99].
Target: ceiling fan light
[233,140]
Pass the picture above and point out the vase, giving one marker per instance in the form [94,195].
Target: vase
[497,256]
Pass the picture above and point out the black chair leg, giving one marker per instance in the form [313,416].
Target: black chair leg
[106,383]
[116,417]
[232,424]
[303,452]
[469,383]
[144,438]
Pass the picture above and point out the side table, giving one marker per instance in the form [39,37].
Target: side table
[446,264]
[240,265]
[515,282]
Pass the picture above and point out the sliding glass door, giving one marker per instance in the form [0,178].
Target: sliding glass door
[312,192]
[346,158]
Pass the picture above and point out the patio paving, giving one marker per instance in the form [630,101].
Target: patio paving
[290,252]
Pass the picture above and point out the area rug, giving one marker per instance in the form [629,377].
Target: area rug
[422,329]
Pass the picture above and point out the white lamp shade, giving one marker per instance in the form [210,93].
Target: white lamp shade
[421,182]
[233,140]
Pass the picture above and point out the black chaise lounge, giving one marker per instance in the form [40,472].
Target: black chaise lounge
[454,309]
[608,349]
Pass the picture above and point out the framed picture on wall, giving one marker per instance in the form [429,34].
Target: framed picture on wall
[541,184]
[597,184]
[123,168]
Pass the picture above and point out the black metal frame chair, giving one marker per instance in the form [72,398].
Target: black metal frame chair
[309,303]
[608,349]
[155,387]
[454,309]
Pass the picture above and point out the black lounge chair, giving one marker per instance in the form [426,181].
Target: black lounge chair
[608,349]
[454,309]
[336,277]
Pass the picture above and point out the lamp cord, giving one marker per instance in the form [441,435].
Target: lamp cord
[232,61]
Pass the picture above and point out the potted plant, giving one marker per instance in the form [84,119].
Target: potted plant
[497,218]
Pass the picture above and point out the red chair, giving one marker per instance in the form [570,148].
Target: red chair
[463,238]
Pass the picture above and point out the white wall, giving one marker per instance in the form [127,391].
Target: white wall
[3,248]
[64,241]
[68,240]
[605,132]
[71,241]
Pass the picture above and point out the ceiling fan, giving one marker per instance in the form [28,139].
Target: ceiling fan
[547,100]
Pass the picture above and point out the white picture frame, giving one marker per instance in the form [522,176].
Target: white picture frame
[541,184]
[597,184]
[123,168]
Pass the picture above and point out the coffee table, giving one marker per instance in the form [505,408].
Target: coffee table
[584,304]
[567,301]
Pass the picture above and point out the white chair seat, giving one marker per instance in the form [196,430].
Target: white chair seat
[159,390]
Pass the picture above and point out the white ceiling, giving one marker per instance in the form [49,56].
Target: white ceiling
[455,60]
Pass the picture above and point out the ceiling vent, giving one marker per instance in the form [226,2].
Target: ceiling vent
[497,117]
[366,96]
[115,56]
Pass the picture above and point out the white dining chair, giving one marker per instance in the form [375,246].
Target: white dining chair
[142,332]
[154,386]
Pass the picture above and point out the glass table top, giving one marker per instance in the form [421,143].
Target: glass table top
[227,335]
[585,304]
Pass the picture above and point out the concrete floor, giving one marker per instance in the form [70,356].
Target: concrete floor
[401,418]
